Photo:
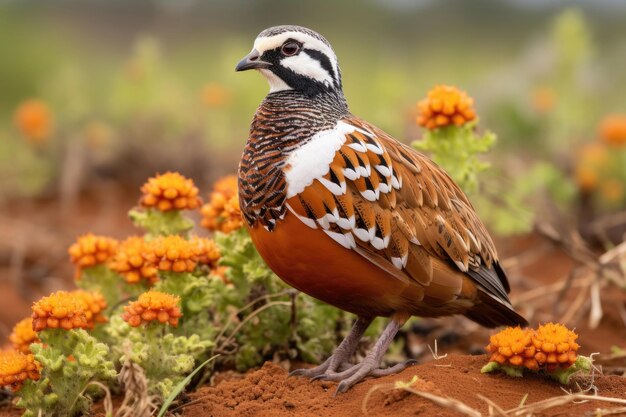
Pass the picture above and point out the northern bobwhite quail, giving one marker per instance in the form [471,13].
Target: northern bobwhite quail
[343,212]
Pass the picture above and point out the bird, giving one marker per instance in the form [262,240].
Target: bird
[343,212]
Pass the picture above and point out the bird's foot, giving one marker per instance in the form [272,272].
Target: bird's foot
[355,373]
[330,366]
[339,360]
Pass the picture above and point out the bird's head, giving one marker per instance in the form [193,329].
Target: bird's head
[294,58]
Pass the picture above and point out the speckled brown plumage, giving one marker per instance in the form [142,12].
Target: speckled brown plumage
[347,214]
[283,121]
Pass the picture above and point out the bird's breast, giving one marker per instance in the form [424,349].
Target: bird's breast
[308,260]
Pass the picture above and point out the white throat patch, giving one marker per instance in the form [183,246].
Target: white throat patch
[276,84]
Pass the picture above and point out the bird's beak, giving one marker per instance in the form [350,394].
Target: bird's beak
[252,61]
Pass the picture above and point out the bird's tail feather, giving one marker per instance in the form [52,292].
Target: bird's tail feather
[492,312]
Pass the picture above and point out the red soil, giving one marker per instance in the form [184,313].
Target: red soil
[270,392]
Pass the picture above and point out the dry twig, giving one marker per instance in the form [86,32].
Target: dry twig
[107,402]
[435,352]
[449,403]
[494,409]
[137,402]
[600,270]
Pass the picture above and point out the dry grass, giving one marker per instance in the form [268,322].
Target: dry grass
[137,402]
[493,409]
[591,276]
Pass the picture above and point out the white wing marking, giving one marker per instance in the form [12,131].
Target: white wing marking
[345,240]
[312,160]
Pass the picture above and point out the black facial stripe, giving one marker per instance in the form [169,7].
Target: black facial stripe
[299,82]
[271,55]
[323,60]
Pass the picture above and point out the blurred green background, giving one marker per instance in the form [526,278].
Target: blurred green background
[135,87]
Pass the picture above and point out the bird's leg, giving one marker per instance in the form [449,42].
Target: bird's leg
[370,365]
[342,354]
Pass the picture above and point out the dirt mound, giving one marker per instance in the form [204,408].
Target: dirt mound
[270,392]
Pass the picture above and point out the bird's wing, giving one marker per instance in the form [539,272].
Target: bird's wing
[392,205]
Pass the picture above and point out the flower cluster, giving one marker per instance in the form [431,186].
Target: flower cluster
[93,305]
[215,95]
[34,120]
[598,165]
[592,159]
[206,252]
[513,346]
[543,99]
[23,335]
[16,367]
[59,310]
[133,262]
[222,212]
[613,129]
[90,250]
[151,306]
[556,346]
[550,346]
[173,253]
[445,105]
[170,191]
[450,136]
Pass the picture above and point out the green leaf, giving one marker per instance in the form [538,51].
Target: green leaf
[158,223]
[583,365]
[515,371]
[181,386]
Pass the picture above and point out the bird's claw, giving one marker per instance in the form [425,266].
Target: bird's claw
[355,373]
[319,372]
[309,373]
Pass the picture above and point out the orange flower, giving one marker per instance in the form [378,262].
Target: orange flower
[23,335]
[16,367]
[170,191]
[59,310]
[215,95]
[513,346]
[613,129]
[223,212]
[592,160]
[445,105]
[543,99]
[207,252]
[227,185]
[612,190]
[34,120]
[548,347]
[90,250]
[133,261]
[151,306]
[220,271]
[98,135]
[556,346]
[586,177]
[93,304]
[173,253]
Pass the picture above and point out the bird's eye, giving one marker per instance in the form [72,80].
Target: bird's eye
[290,49]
